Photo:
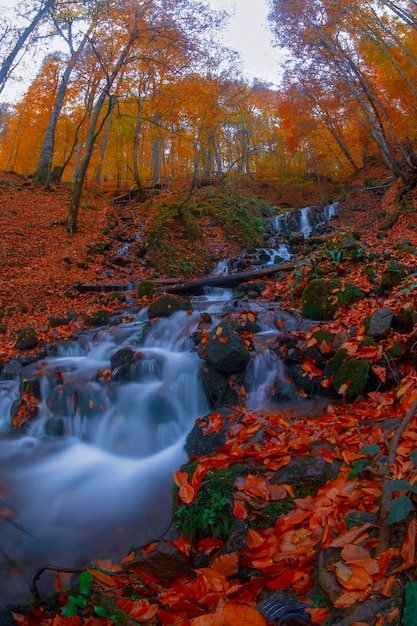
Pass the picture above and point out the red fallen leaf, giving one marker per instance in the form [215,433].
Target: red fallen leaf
[224,340]
[143,610]
[183,545]
[236,615]
[226,564]
[319,615]
[208,544]
[283,580]
[349,598]
[239,510]
[326,454]
[60,620]
[180,478]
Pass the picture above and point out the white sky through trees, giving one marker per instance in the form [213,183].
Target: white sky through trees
[247,33]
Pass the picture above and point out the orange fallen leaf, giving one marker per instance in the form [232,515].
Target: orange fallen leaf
[226,564]
[254,539]
[186,493]
[236,615]
[351,536]
[352,577]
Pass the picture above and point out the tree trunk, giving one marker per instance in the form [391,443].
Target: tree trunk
[43,171]
[92,134]
[9,60]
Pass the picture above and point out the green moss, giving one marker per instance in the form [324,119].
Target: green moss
[353,373]
[322,298]
[146,288]
[97,318]
[210,514]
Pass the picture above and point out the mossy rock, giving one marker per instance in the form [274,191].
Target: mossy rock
[392,277]
[146,288]
[354,374]
[27,339]
[97,318]
[54,321]
[389,221]
[165,306]
[322,298]
[370,273]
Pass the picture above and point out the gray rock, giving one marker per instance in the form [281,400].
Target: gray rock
[226,350]
[380,323]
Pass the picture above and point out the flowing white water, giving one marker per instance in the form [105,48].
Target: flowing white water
[102,483]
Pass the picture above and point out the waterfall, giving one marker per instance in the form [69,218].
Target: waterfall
[93,472]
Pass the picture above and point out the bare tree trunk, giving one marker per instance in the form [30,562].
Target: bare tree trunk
[7,64]
[93,132]
[43,171]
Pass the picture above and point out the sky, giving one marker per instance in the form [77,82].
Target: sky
[247,33]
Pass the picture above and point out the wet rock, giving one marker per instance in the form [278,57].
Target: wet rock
[310,386]
[120,363]
[295,239]
[322,298]
[12,369]
[283,391]
[354,375]
[165,306]
[165,562]
[54,427]
[380,323]
[27,339]
[310,472]
[199,443]
[226,350]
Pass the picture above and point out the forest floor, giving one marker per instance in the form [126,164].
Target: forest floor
[352,575]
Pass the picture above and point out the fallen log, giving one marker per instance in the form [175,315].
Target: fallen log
[228,280]
[193,286]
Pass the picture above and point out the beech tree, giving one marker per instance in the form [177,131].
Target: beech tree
[7,64]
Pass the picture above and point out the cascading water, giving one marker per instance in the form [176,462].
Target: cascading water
[91,476]
[304,220]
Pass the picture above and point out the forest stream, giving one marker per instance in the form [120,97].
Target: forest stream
[91,476]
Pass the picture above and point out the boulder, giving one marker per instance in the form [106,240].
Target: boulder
[380,323]
[354,374]
[120,363]
[165,306]
[226,350]
[322,298]
[26,339]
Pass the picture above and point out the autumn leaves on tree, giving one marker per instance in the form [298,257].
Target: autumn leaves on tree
[141,96]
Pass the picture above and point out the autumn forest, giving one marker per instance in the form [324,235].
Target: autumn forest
[139,95]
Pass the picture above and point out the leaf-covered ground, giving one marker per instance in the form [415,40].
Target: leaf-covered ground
[347,547]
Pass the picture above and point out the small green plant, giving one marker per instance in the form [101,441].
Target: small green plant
[81,600]
[360,465]
[409,616]
[210,514]
[401,506]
